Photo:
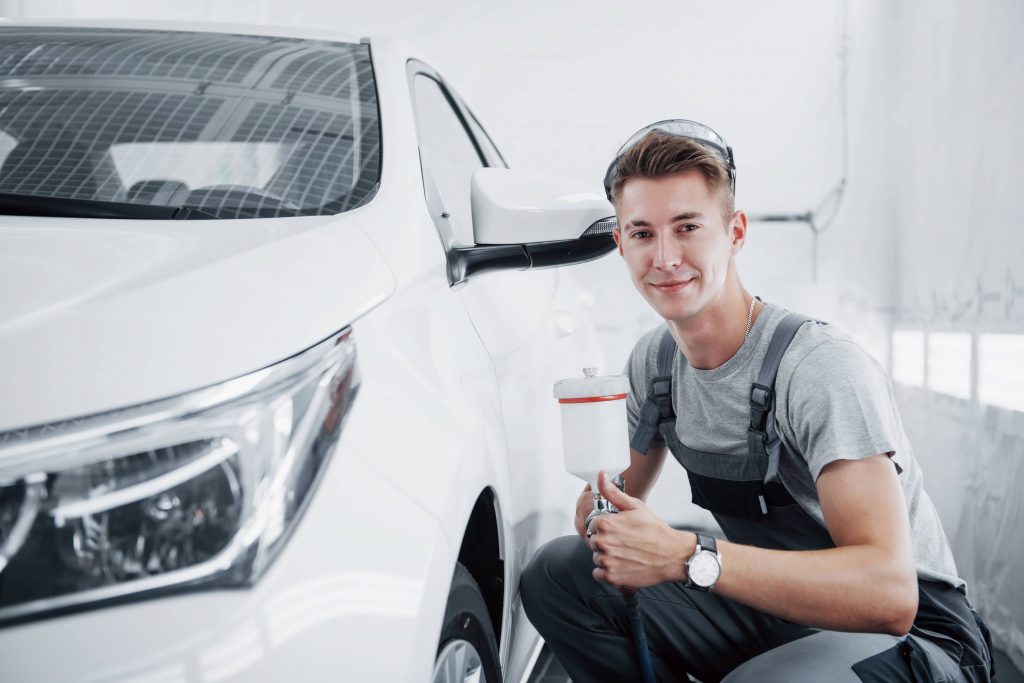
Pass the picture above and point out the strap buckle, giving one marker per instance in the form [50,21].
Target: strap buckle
[661,394]
[760,396]
[761,399]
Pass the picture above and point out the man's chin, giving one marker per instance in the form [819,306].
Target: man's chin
[674,310]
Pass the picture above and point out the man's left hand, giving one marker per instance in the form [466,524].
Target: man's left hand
[634,547]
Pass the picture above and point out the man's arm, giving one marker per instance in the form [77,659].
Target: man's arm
[868,582]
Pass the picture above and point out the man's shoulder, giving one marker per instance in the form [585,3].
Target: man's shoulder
[821,350]
[643,359]
[648,341]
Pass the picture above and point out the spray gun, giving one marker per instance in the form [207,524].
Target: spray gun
[594,431]
[595,437]
[603,506]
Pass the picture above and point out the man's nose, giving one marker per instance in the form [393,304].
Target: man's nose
[669,254]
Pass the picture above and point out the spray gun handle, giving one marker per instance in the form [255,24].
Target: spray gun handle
[620,484]
[603,506]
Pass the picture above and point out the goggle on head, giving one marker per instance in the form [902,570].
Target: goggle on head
[683,128]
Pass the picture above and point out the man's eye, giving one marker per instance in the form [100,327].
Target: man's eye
[639,234]
[689,227]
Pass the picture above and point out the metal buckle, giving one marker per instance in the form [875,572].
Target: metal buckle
[760,396]
[661,393]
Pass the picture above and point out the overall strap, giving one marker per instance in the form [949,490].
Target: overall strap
[657,407]
[762,437]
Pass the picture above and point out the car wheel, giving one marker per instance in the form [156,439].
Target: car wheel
[466,652]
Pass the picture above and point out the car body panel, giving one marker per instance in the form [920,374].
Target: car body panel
[116,313]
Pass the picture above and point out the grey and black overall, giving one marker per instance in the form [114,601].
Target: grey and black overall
[713,638]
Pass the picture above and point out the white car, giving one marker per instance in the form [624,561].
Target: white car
[278,335]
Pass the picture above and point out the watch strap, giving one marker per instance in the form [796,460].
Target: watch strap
[707,543]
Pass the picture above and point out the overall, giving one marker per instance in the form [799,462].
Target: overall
[753,507]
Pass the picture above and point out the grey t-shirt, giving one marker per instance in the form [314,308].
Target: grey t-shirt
[833,402]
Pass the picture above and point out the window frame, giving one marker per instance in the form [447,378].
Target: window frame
[417,69]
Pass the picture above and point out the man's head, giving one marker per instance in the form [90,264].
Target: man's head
[677,228]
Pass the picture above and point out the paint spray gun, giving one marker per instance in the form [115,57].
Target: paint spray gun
[595,437]
[594,430]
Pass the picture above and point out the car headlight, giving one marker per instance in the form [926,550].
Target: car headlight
[195,491]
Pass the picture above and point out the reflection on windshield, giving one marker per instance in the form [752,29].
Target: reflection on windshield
[234,125]
[196,164]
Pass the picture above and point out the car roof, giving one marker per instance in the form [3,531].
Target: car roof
[190,26]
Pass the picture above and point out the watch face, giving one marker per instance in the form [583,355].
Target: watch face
[704,568]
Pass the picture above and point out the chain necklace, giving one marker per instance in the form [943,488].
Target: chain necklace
[750,317]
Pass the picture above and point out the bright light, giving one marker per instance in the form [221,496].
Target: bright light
[908,357]
[949,363]
[200,164]
[1001,370]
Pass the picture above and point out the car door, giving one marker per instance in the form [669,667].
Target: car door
[531,323]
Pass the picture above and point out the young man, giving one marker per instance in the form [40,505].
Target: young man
[833,565]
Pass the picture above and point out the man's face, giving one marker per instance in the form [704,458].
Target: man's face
[675,242]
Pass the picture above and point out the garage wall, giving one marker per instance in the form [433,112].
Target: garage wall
[914,105]
[958,307]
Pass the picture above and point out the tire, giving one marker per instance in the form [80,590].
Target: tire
[467,650]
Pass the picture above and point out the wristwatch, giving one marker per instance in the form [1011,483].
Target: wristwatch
[705,565]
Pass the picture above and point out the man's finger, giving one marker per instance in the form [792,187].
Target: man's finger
[612,493]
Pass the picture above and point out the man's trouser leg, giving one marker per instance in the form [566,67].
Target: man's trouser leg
[585,623]
[847,658]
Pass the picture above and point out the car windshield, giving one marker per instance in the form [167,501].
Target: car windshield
[235,126]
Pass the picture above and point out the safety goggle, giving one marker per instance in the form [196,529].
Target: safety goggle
[684,128]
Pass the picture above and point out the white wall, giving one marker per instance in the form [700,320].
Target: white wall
[958,68]
[925,99]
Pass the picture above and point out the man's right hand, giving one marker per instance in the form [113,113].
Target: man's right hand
[641,474]
[584,506]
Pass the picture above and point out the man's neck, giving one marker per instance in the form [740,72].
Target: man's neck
[713,337]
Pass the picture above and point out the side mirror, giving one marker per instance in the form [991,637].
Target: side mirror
[526,220]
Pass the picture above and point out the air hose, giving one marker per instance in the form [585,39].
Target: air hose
[636,617]
[636,621]
[603,507]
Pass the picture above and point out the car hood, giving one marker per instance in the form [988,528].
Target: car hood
[97,315]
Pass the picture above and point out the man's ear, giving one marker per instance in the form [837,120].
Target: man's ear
[616,235]
[738,231]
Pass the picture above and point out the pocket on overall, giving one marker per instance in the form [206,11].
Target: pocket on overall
[911,661]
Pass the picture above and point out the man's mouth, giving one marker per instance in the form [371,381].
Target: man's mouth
[671,285]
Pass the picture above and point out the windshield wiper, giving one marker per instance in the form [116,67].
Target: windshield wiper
[63,207]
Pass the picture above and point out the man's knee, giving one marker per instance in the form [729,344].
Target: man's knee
[551,574]
[823,656]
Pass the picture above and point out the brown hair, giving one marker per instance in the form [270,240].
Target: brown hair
[659,154]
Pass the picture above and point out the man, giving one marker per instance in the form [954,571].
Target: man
[833,565]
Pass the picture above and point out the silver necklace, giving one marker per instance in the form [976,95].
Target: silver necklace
[750,317]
